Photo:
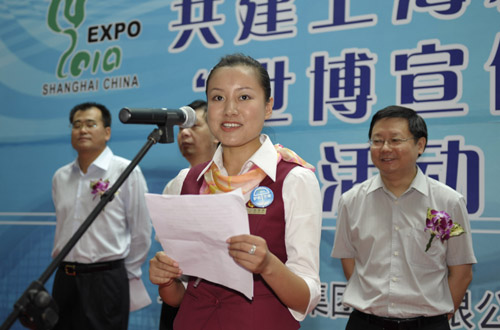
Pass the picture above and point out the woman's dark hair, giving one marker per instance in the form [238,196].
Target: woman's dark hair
[241,59]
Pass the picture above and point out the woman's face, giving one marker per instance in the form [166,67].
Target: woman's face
[237,107]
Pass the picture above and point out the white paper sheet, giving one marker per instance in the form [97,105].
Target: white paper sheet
[193,230]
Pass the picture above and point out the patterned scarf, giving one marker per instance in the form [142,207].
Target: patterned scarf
[215,182]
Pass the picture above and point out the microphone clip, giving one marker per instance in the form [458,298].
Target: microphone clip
[162,134]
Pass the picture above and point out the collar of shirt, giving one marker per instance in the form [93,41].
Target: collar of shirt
[263,158]
[102,162]
[419,183]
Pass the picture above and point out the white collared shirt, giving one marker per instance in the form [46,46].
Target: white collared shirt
[123,228]
[393,275]
[174,186]
[303,215]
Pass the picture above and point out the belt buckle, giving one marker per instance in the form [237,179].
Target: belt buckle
[70,270]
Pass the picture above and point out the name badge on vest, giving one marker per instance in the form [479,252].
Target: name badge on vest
[260,198]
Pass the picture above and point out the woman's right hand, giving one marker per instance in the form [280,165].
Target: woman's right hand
[163,269]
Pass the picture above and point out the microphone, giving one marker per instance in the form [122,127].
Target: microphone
[184,117]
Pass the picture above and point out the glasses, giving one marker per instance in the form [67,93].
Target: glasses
[394,142]
[89,123]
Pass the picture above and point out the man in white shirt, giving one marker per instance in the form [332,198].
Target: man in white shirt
[99,280]
[197,145]
[393,281]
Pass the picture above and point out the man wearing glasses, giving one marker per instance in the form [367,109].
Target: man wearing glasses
[93,285]
[395,279]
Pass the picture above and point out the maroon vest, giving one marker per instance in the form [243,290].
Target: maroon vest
[210,306]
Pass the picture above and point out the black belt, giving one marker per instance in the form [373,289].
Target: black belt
[391,323]
[75,268]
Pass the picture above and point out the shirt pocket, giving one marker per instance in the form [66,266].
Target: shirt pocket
[434,257]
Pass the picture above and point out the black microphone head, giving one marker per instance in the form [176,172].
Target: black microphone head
[190,117]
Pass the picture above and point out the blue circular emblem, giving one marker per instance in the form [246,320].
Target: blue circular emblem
[261,196]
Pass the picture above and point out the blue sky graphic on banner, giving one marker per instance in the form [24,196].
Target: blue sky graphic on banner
[332,63]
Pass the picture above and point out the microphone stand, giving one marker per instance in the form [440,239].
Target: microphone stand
[35,308]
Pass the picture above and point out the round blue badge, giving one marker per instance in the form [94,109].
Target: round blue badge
[261,196]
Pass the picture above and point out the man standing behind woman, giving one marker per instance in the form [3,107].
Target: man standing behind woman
[197,145]
[282,250]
